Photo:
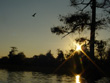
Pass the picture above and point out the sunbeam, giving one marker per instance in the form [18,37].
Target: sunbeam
[93,62]
[78,48]
[64,62]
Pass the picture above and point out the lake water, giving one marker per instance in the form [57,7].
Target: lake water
[36,77]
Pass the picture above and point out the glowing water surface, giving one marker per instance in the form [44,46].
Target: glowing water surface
[36,77]
[33,77]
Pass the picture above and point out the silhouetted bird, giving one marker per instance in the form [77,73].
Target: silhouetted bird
[34,15]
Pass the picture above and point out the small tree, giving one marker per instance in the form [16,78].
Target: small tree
[101,48]
[12,52]
[49,56]
[60,56]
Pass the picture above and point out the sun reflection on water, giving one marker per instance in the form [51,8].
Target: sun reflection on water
[77,78]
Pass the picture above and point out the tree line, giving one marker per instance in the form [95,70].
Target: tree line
[64,63]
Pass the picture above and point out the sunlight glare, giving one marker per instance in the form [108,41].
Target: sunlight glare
[77,78]
[78,47]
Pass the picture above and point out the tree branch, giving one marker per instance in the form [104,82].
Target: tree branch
[75,27]
[66,34]
[104,4]
[75,3]
[87,5]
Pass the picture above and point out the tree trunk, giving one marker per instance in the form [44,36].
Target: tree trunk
[93,25]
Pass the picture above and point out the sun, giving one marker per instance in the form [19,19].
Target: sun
[78,47]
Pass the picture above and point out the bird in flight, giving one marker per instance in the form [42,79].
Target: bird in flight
[34,15]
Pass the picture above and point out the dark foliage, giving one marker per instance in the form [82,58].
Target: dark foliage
[75,22]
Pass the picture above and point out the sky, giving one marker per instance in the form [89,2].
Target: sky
[32,35]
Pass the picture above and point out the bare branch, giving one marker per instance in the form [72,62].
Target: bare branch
[67,34]
[105,4]
[87,5]
[82,2]
[74,3]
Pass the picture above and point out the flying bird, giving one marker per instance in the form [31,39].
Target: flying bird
[34,15]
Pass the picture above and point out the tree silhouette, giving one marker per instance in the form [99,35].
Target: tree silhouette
[60,56]
[84,19]
[101,48]
[12,52]
[108,55]
[21,56]
[49,56]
